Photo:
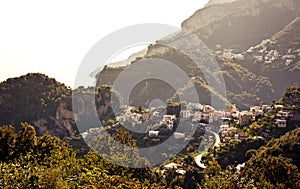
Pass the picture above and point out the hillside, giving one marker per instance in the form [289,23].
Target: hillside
[47,104]
[241,24]
[275,165]
[230,30]
[215,2]
[39,100]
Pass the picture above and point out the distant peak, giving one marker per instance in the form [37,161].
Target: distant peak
[215,2]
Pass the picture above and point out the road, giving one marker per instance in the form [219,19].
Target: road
[198,157]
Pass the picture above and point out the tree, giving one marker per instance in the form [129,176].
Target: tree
[25,140]
[7,142]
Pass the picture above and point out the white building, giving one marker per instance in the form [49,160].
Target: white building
[224,128]
[178,135]
[153,133]
[281,123]
[185,113]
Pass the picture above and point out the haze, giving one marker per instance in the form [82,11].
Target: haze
[52,37]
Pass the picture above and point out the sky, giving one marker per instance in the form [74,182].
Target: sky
[52,37]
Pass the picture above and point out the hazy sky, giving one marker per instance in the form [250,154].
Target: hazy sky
[52,37]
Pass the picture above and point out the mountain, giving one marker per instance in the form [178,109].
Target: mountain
[216,2]
[232,31]
[241,24]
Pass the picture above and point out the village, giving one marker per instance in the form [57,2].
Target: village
[223,125]
[201,116]
[260,54]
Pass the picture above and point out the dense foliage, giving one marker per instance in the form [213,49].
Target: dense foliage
[274,166]
[30,97]
[28,161]
[291,97]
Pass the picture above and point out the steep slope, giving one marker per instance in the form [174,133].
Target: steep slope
[48,105]
[215,2]
[241,24]
[276,163]
[39,100]
[277,58]
[288,38]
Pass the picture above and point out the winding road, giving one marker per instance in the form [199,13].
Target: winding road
[198,157]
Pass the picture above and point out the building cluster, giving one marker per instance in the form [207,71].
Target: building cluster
[133,115]
[282,117]
[199,115]
[261,54]
[193,112]
[229,55]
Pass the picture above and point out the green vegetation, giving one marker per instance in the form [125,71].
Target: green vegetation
[30,97]
[274,166]
[31,159]
[291,98]
[28,161]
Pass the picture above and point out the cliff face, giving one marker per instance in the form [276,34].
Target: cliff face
[47,105]
[61,124]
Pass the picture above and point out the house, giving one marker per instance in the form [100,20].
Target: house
[153,133]
[171,166]
[225,120]
[236,136]
[278,106]
[169,120]
[283,115]
[235,115]
[267,109]
[208,109]
[223,134]
[242,136]
[258,58]
[232,131]
[145,116]
[245,118]
[281,123]
[178,135]
[254,109]
[224,128]
[84,135]
[185,114]
[121,118]
[194,106]
[178,168]
[136,117]
[181,171]
[226,139]
[169,117]
[288,62]
[156,114]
